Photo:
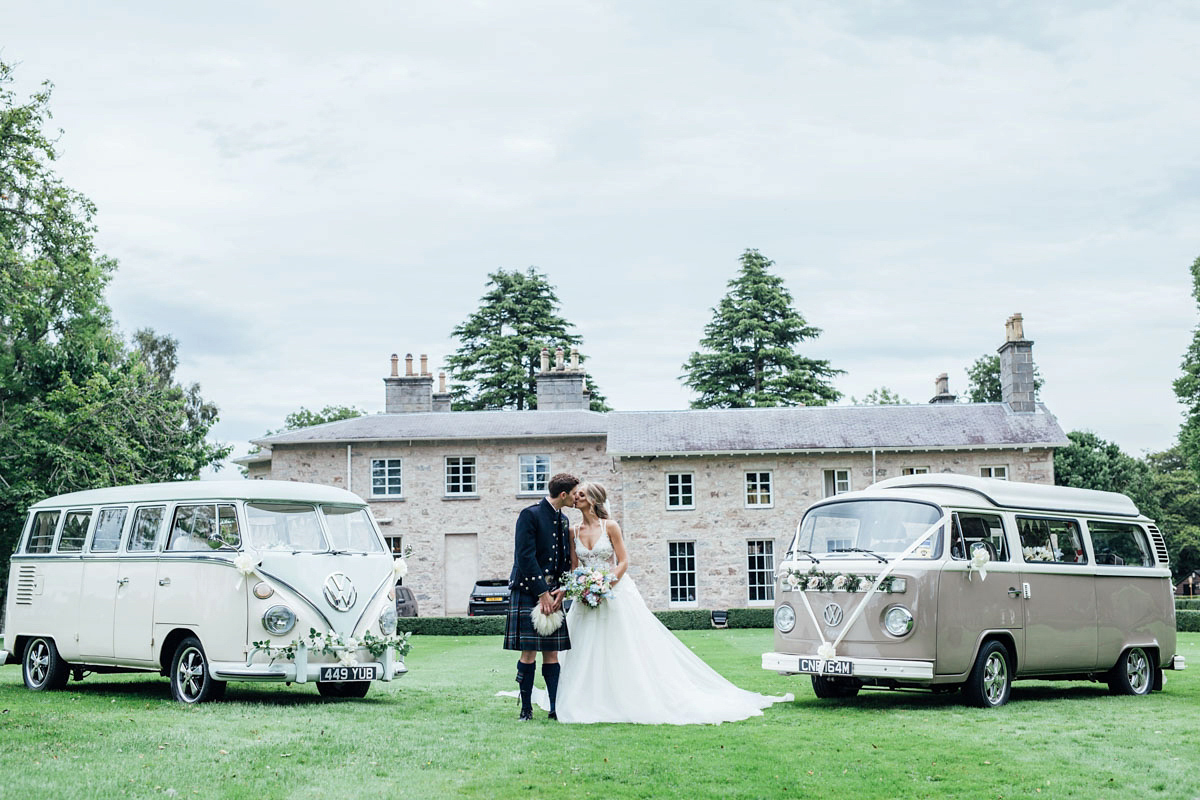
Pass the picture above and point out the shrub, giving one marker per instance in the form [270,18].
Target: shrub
[685,620]
[1187,603]
[453,626]
[751,617]
[1187,621]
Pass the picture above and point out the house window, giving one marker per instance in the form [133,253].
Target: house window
[760,570]
[998,472]
[460,475]
[680,491]
[387,477]
[915,471]
[837,481]
[682,565]
[758,490]
[534,472]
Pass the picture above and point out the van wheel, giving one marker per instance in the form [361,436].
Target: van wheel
[343,689]
[42,666]
[990,683]
[1133,674]
[191,682]
[835,688]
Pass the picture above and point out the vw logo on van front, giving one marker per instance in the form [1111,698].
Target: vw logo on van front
[340,591]
[833,615]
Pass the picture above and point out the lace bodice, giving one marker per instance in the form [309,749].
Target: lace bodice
[600,555]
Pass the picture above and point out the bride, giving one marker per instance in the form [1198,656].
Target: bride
[624,665]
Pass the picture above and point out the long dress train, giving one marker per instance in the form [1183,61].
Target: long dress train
[625,666]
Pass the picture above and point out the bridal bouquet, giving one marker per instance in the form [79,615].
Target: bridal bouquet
[589,585]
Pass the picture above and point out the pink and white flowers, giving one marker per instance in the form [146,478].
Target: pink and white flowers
[589,585]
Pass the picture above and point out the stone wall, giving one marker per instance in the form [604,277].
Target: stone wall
[721,524]
[424,516]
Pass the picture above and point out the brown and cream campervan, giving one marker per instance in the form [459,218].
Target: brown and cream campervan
[947,581]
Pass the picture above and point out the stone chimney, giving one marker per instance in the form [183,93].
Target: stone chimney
[561,387]
[1016,367]
[942,390]
[410,392]
[441,398]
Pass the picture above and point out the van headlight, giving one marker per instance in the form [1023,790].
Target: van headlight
[278,620]
[387,620]
[898,621]
[785,618]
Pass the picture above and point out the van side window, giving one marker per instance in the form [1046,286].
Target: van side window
[144,530]
[227,526]
[1052,540]
[1120,543]
[107,537]
[74,531]
[41,536]
[192,529]
[980,530]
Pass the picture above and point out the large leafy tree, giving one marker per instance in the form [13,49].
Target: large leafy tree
[748,354]
[983,380]
[881,396]
[500,344]
[1187,389]
[1176,509]
[79,407]
[1090,462]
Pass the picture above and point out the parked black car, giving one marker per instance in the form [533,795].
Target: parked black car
[406,602]
[488,597]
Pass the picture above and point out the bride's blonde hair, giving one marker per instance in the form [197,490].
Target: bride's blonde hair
[597,497]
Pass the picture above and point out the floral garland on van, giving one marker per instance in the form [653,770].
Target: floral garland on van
[334,644]
[816,581]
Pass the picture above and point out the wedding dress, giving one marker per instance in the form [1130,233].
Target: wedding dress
[625,666]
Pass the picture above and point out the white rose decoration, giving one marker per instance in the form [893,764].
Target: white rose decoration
[814,583]
[839,582]
[826,651]
[399,568]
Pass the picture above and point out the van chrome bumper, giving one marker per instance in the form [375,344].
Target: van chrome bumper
[789,664]
[293,673]
[1176,662]
[3,657]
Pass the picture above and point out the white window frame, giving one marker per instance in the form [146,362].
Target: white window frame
[387,478]
[672,556]
[679,490]
[532,460]
[758,490]
[915,471]
[997,471]
[840,481]
[457,488]
[763,569]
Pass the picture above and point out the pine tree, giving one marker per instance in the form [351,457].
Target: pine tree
[748,356]
[500,348]
[1187,389]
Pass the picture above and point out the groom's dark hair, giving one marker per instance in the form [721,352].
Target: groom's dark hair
[562,482]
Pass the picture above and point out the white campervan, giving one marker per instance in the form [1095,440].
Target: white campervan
[947,581]
[205,582]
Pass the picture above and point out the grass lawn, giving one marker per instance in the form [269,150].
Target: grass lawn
[440,732]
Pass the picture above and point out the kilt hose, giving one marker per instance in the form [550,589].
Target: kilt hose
[518,627]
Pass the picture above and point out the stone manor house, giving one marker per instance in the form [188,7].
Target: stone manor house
[707,499]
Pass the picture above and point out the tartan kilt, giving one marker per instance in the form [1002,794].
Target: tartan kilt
[518,627]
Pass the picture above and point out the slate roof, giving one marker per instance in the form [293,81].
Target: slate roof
[447,425]
[934,426]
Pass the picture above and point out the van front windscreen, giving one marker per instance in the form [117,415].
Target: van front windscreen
[886,527]
[351,529]
[285,526]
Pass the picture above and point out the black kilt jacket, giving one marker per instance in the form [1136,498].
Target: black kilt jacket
[541,550]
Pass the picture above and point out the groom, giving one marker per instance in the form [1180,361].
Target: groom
[541,554]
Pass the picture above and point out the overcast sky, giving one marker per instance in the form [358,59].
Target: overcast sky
[297,190]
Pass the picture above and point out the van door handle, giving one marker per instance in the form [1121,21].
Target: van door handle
[164,581]
[122,581]
[1014,591]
